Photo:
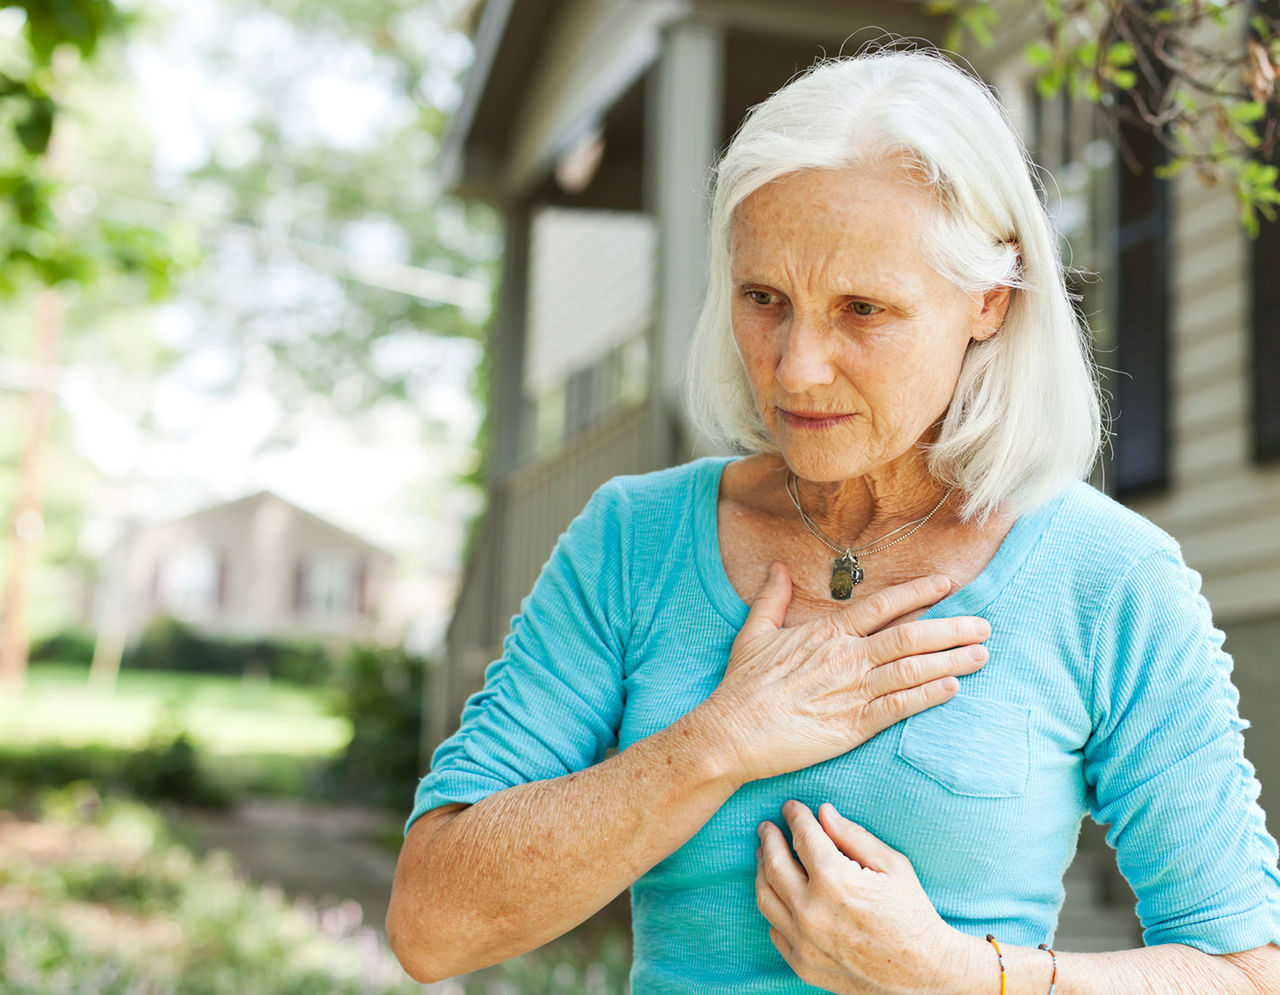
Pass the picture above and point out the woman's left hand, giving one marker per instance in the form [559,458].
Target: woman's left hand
[851,915]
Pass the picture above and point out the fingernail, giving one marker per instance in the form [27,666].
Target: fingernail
[773,571]
[941,583]
[760,831]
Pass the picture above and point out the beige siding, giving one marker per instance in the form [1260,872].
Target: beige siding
[590,290]
[1223,509]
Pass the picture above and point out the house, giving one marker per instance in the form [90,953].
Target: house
[585,116]
[256,567]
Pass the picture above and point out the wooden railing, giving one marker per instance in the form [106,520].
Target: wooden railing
[526,513]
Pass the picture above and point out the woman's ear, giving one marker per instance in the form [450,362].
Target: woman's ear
[995,302]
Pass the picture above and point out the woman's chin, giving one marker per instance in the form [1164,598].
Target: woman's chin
[822,464]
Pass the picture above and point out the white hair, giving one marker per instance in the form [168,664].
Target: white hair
[1025,417]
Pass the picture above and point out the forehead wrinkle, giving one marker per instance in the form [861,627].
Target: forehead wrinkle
[796,234]
[874,268]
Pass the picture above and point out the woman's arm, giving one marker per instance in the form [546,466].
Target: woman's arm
[1169,969]
[480,883]
[850,916]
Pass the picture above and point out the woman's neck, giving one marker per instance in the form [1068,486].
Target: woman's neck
[851,512]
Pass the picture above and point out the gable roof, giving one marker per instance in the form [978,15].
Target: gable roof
[261,497]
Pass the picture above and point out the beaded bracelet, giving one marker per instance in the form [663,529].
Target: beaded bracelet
[1053,981]
[999,957]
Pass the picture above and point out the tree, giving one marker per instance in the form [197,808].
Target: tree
[333,272]
[44,247]
[1183,70]
[333,260]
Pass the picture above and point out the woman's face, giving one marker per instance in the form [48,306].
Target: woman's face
[851,341]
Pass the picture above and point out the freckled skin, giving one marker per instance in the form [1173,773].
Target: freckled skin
[835,311]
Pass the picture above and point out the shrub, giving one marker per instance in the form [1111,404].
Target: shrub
[170,770]
[167,770]
[380,693]
[171,644]
[191,926]
[68,646]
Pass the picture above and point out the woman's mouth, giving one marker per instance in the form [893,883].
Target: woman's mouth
[812,419]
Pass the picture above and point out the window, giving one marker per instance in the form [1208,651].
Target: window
[1141,406]
[1264,252]
[191,581]
[327,586]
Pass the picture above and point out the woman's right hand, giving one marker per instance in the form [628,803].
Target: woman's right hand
[794,697]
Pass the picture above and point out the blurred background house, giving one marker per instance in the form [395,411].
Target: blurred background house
[256,568]
[591,124]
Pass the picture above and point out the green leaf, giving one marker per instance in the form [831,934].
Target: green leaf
[1171,169]
[11,87]
[1120,53]
[1050,84]
[1246,112]
[977,20]
[1249,218]
[36,128]
[1246,135]
[1125,79]
[1038,54]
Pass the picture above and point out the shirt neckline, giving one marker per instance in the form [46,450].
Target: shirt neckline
[969,600]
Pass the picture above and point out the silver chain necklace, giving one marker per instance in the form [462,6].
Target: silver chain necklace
[845,571]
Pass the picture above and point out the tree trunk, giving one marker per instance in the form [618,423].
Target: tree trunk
[27,524]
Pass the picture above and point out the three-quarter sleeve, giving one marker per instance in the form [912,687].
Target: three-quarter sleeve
[552,703]
[1165,766]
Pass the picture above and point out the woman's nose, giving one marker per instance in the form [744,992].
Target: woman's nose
[805,360]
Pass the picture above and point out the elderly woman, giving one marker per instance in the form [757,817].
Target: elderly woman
[873,777]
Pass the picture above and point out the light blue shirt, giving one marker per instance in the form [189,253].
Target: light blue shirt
[1106,691]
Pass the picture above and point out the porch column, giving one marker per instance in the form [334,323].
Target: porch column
[684,130]
[506,402]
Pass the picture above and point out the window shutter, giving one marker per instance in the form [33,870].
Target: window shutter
[360,588]
[1141,441]
[1265,303]
[299,586]
[1266,342]
[221,594]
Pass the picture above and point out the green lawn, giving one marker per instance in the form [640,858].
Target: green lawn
[224,716]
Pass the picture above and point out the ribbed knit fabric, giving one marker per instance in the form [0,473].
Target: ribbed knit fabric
[1106,690]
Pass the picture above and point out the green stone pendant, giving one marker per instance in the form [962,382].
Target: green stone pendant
[845,573]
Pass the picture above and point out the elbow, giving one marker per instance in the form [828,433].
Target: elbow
[421,930]
[409,937]
[431,941]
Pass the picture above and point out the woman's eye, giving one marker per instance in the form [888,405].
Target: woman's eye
[761,297]
[864,309]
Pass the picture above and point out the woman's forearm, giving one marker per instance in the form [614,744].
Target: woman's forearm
[1169,969]
[489,881]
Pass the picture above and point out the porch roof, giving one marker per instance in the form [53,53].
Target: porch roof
[547,71]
